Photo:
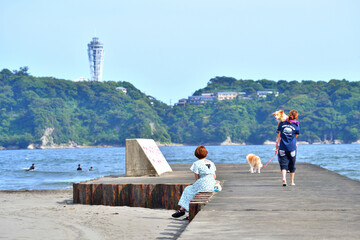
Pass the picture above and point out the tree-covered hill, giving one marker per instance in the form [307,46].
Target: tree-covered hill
[44,111]
[84,113]
[328,111]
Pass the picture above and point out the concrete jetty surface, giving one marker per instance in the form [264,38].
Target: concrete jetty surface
[322,205]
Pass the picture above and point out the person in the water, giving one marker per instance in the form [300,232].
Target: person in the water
[32,168]
[91,168]
[79,168]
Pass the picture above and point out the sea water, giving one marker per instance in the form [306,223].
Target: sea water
[56,168]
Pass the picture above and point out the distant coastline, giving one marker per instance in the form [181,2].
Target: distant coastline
[46,112]
[225,143]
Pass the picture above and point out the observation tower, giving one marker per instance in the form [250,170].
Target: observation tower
[96,59]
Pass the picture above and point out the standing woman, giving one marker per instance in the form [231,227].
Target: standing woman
[288,132]
[205,180]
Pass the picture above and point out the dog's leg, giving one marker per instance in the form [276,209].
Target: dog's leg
[251,169]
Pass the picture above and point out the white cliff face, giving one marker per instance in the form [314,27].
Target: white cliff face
[229,142]
[47,139]
[152,126]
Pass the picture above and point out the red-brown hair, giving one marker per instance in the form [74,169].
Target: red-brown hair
[201,152]
[293,115]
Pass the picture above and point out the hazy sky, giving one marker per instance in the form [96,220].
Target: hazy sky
[170,48]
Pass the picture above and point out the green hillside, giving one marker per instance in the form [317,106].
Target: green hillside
[85,113]
[328,111]
[47,111]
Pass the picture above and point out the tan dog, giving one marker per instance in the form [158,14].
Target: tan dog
[280,116]
[254,162]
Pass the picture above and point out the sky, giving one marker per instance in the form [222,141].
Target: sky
[170,48]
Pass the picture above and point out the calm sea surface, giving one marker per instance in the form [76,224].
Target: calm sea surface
[56,168]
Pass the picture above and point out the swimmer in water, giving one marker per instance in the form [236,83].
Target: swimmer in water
[90,169]
[32,167]
[79,168]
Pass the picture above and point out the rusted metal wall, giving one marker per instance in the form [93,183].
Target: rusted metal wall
[198,202]
[164,196]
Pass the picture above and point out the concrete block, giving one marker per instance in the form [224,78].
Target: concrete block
[143,157]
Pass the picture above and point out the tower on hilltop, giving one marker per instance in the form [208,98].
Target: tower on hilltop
[96,59]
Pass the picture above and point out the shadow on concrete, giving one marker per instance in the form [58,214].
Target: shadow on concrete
[174,229]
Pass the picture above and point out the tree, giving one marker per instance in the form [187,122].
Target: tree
[22,72]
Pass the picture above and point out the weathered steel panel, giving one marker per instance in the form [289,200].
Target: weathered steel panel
[76,198]
[164,196]
[198,202]
[109,194]
[84,194]
[96,194]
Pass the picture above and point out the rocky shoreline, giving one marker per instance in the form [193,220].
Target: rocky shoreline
[47,142]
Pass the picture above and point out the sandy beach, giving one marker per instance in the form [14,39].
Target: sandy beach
[51,214]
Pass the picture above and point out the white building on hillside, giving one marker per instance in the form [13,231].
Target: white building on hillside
[81,79]
[122,89]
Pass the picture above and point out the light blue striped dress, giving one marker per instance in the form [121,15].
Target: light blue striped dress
[206,182]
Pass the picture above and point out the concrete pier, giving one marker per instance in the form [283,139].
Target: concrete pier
[322,205]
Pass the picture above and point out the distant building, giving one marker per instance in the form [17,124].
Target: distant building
[246,98]
[226,95]
[81,79]
[208,97]
[204,98]
[207,94]
[181,102]
[96,59]
[243,96]
[122,89]
[195,100]
[263,94]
